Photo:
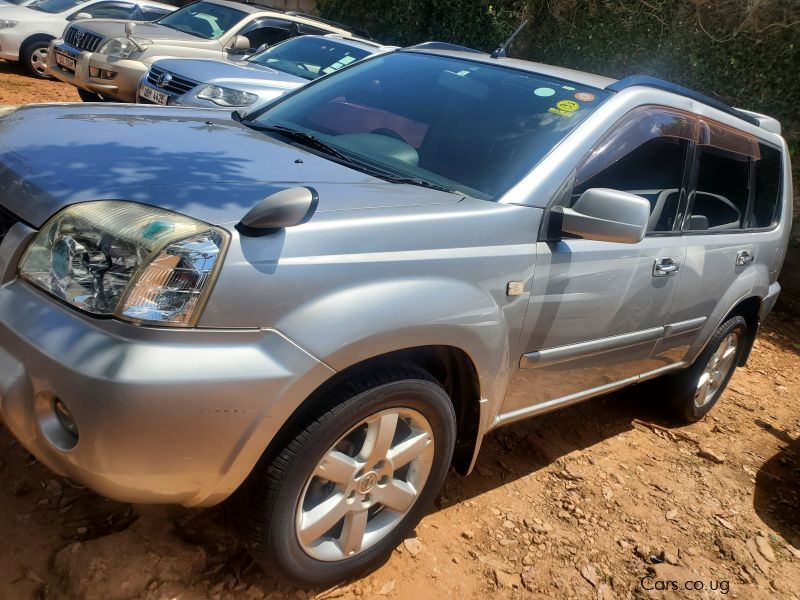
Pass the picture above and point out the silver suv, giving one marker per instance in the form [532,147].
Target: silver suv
[318,309]
[250,84]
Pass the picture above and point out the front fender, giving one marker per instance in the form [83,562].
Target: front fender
[376,318]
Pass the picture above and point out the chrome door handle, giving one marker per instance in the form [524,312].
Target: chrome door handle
[664,267]
[744,257]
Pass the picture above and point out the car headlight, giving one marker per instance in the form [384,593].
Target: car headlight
[128,260]
[223,96]
[8,24]
[120,47]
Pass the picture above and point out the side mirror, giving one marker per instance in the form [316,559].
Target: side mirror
[239,114]
[82,16]
[239,44]
[607,215]
[130,27]
[286,208]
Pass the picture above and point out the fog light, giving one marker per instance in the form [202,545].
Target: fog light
[102,73]
[56,421]
[64,416]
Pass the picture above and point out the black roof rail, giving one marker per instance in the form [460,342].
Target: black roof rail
[661,84]
[443,46]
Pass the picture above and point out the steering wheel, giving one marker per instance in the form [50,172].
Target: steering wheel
[389,133]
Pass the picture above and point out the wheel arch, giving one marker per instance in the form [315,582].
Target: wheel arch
[748,308]
[36,37]
[450,366]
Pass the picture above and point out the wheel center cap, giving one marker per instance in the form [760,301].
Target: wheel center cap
[367,482]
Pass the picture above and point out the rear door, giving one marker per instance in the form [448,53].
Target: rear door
[730,201]
[598,309]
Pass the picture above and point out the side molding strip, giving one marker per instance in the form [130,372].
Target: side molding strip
[551,356]
[551,405]
[684,326]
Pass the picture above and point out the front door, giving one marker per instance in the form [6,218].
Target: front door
[598,309]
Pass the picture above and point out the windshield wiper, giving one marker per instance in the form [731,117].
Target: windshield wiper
[300,137]
[416,181]
[313,142]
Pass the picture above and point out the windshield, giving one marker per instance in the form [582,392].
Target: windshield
[203,19]
[14,1]
[468,126]
[309,57]
[55,6]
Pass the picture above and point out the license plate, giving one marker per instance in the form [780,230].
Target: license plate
[66,61]
[153,95]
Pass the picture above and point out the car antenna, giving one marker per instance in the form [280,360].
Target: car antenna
[501,51]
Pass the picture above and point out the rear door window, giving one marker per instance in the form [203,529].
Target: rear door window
[766,188]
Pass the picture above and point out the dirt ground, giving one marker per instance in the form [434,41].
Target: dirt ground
[601,500]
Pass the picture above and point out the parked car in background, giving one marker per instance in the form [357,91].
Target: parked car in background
[252,82]
[106,61]
[26,31]
[5,3]
[324,305]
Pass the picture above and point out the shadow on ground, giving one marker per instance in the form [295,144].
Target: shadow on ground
[777,493]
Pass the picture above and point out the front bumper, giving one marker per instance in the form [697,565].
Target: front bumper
[163,416]
[122,87]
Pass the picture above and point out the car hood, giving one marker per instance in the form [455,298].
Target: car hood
[154,32]
[207,71]
[197,162]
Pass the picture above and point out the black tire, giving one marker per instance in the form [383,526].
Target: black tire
[680,388]
[268,501]
[90,96]
[32,59]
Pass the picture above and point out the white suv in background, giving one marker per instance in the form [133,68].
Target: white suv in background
[26,31]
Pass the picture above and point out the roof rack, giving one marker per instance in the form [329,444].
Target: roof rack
[443,46]
[661,84]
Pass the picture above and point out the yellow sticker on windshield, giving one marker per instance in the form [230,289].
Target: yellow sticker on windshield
[563,113]
[568,105]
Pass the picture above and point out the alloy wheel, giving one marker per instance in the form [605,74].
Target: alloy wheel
[717,368]
[365,484]
[39,60]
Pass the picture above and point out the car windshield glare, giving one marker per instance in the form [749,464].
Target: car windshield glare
[309,57]
[203,19]
[54,7]
[469,126]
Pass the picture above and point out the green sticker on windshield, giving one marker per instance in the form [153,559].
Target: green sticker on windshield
[558,111]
